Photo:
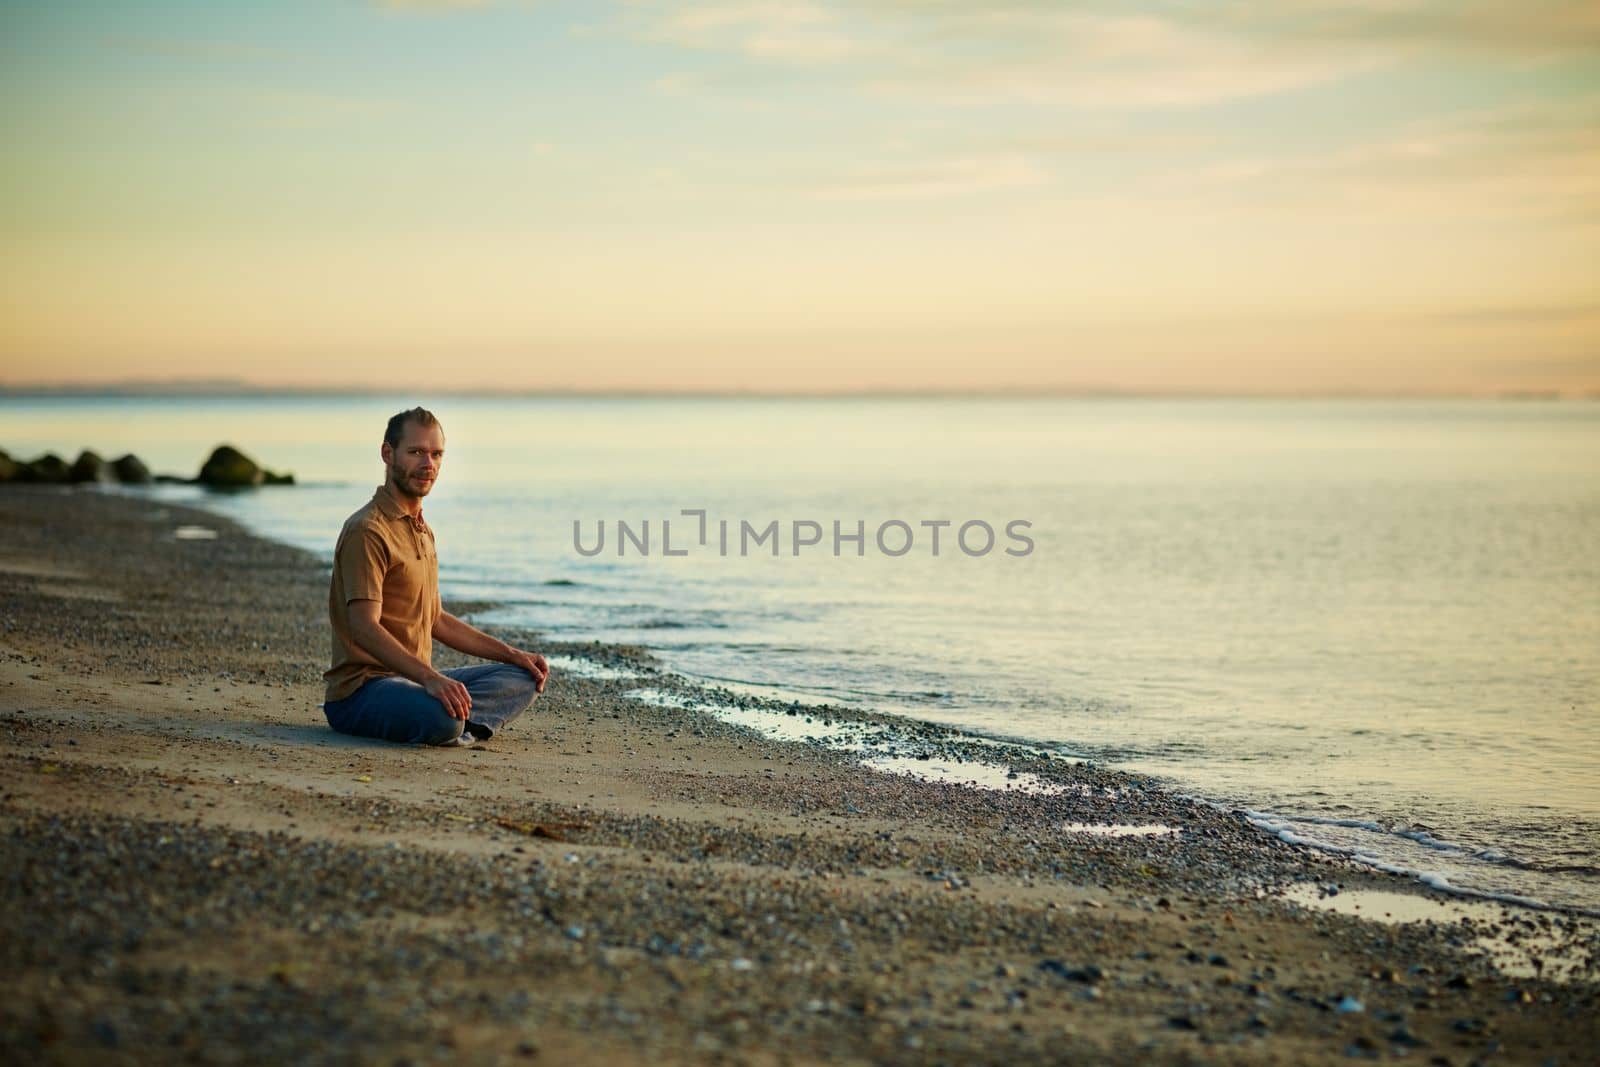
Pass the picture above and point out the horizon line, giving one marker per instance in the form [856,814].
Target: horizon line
[223,388]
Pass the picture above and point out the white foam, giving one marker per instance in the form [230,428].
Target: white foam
[1427,840]
[1110,830]
[844,735]
[1283,829]
[982,775]
[588,668]
[662,698]
[780,727]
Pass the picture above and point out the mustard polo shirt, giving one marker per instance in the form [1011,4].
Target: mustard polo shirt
[383,554]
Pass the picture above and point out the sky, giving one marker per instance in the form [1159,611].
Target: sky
[1243,196]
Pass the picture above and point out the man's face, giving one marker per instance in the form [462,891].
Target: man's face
[414,463]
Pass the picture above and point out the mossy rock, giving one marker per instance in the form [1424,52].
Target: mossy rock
[131,470]
[48,468]
[228,468]
[89,467]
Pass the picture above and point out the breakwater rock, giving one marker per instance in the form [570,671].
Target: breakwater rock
[225,468]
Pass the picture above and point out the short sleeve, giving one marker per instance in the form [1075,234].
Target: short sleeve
[362,562]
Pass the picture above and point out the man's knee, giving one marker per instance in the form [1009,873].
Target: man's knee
[515,686]
[441,731]
[527,690]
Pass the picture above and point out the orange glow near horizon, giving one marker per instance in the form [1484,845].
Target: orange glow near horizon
[687,197]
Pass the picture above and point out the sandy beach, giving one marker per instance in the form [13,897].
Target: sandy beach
[197,869]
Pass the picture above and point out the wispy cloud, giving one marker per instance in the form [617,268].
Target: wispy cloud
[780,32]
[1111,61]
[1529,28]
[1101,56]
[1525,161]
[1523,29]
[918,181]
[981,53]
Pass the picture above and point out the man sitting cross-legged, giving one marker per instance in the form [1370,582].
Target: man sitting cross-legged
[383,604]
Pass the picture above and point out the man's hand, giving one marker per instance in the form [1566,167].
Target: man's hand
[451,693]
[464,637]
[533,663]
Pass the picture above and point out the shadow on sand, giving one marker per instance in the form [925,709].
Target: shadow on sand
[318,735]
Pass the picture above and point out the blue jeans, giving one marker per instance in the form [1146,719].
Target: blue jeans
[397,709]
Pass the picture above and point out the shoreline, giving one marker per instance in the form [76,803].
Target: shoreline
[911,744]
[174,686]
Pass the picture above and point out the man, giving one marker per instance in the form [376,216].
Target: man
[384,605]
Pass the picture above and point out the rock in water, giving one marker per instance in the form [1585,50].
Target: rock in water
[131,469]
[47,468]
[89,467]
[228,468]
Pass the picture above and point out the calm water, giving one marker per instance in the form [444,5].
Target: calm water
[1375,624]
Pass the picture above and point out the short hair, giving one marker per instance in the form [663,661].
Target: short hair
[397,424]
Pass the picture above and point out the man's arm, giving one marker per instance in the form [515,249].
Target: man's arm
[375,641]
[464,637]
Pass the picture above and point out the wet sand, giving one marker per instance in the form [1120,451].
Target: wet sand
[197,869]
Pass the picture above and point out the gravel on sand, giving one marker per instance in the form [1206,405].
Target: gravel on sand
[194,868]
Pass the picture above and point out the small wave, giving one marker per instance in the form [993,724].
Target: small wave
[676,624]
[1427,840]
[1284,828]
[1495,856]
[918,696]
[1326,820]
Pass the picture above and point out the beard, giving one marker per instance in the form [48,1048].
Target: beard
[409,484]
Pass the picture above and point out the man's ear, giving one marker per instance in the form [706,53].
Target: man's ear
[386,451]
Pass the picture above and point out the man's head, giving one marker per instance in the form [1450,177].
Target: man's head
[413,451]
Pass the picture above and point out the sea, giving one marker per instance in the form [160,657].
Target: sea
[1372,625]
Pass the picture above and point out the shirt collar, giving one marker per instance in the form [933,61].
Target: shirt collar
[390,506]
